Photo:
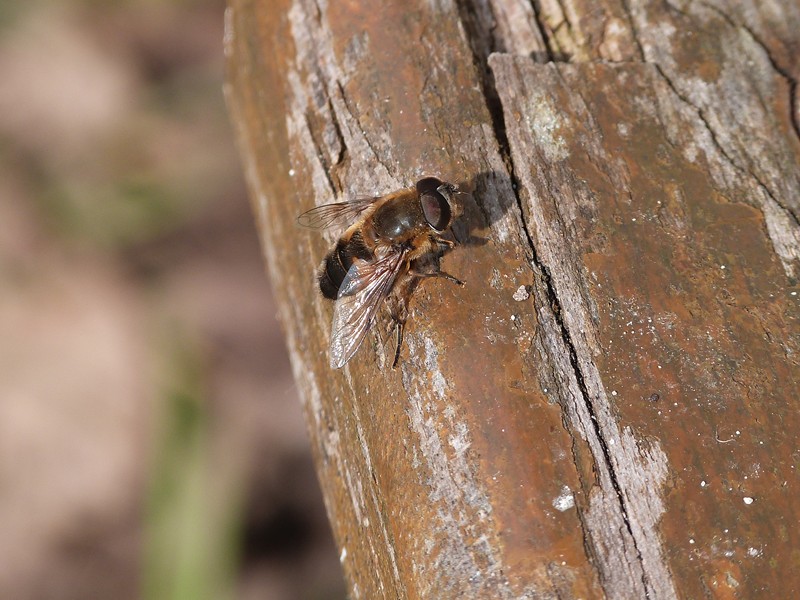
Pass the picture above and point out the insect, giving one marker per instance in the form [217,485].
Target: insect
[394,242]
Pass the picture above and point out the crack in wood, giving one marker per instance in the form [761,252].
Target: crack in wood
[544,31]
[787,247]
[345,103]
[643,534]
[498,121]
[794,110]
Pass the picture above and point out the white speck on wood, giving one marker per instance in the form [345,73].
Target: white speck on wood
[565,500]
[521,294]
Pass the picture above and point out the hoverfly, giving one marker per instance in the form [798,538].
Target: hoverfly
[395,241]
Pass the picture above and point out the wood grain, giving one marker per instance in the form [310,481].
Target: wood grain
[672,293]
[607,408]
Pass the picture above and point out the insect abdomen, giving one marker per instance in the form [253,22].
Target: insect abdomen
[338,262]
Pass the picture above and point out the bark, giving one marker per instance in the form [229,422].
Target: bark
[607,409]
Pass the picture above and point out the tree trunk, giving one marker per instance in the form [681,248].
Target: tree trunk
[608,408]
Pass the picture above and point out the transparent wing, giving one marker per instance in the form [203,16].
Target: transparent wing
[363,290]
[338,213]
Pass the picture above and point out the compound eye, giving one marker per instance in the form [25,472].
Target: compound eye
[428,185]
[436,210]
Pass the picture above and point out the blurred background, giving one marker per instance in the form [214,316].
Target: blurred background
[151,439]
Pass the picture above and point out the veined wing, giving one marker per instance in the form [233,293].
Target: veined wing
[338,213]
[365,287]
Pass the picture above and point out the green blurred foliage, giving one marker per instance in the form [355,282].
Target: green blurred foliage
[192,537]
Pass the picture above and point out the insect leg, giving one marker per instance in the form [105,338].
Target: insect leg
[400,327]
[442,274]
[397,304]
[444,243]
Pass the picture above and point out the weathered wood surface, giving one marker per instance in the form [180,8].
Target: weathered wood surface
[678,305]
[608,408]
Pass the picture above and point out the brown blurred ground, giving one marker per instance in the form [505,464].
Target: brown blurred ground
[151,441]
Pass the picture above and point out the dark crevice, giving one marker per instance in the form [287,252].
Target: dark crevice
[320,152]
[566,22]
[634,32]
[480,58]
[544,31]
[480,24]
[317,13]
[555,306]
[794,117]
[337,129]
[701,115]
[342,151]
[357,121]
[494,106]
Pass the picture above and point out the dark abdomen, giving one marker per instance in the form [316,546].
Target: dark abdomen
[338,262]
